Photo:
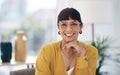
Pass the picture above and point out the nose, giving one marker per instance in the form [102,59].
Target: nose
[69,28]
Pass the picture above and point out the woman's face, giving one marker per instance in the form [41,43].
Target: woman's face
[69,29]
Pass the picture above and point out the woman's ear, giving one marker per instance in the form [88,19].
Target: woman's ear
[58,29]
[81,26]
[80,31]
[58,26]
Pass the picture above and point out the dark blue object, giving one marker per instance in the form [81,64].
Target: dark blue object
[6,51]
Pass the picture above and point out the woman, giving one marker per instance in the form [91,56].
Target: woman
[68,56]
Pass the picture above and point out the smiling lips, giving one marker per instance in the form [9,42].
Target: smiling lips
[69,35]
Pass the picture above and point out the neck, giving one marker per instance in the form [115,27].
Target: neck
[68,54]
[69,60]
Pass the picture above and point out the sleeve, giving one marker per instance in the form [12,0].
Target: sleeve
[87,67]
[43,62]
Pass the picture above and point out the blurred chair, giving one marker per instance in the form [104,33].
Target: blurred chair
[27,71]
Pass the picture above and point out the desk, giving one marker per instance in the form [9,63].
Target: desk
[5,68]
[16,64]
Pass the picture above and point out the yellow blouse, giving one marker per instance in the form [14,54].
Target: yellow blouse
[50,62]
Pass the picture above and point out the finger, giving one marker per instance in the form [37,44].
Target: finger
[63,47]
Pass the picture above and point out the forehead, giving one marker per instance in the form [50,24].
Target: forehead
[68,21]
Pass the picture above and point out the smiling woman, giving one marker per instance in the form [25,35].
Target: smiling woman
[68,56]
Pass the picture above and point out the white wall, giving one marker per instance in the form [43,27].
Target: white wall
[116,27]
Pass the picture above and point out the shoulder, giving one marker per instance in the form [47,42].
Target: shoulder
[48,51]
[50,47]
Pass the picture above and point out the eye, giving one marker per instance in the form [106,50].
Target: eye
[63,24]
[74,24]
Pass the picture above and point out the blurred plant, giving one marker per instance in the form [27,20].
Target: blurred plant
[102,44]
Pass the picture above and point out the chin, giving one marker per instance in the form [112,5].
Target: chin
[69,39]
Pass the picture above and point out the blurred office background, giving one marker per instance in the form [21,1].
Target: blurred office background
[38,20]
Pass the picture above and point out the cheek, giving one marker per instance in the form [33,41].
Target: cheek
[78,29]
[61,32]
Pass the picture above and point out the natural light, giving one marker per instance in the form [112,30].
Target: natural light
[34,5]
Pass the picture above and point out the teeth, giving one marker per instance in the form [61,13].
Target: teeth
[69,34]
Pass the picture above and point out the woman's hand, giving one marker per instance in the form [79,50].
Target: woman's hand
[76,48]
